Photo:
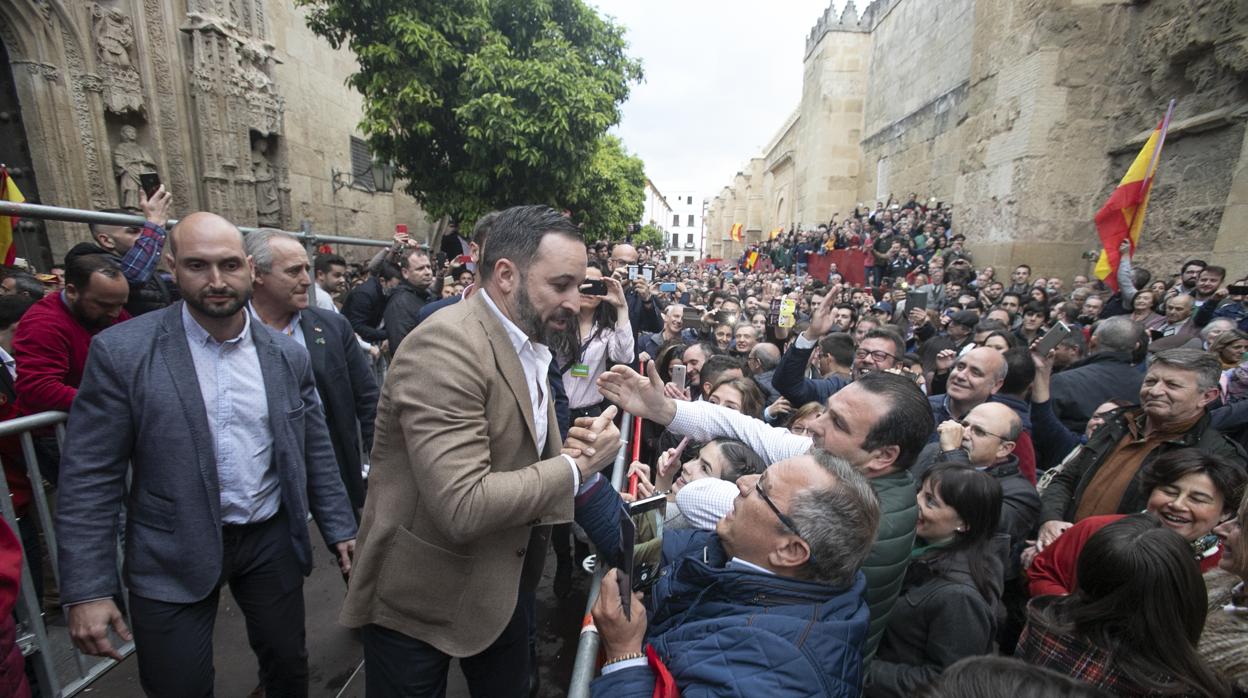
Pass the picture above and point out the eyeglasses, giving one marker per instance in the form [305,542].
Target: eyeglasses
[876,355]
[784,519]
[981,432]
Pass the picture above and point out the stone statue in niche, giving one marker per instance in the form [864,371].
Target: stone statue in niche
[268,202]
[114,41]
[129,161]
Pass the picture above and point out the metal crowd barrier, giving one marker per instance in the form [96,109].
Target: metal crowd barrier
[59,668]
[586,660]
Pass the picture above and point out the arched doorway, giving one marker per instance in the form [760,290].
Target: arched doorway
[31,236]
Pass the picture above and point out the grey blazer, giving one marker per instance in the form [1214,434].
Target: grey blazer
[140,404]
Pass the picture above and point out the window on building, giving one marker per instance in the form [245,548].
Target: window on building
[361,164]
[689,201]
[689,238]
[690,220]
[675,220]
[688,259]
[675,239]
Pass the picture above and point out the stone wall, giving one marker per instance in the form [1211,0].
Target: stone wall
[1026,114]
[237,105]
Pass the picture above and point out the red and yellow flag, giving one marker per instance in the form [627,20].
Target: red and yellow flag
[735,234]
[1122,216]
[751,260]
[775,233]
[8,192]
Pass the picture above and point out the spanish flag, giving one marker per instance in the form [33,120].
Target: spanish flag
[8,192]
[1122,216]
[735,234]
[775,233]
[751,260]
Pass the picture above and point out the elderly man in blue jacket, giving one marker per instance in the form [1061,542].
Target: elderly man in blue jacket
[769,604]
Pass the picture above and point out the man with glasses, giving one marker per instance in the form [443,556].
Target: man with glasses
[773,599]
[644,310]
[879,423]
[985,439]
[880,349]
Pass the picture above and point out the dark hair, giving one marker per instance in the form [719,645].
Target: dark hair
[908,421]
[708,348]
[1023,266]
[1168,468]
[976,496]
[1140,598]
[516,234]
[389,271]
[717,365]
[884,332]
[989,325]
[1016,294]
[752,398]
[605,314]
[12,307]
[481,230]
[405,259]
[739,459]
[840,346]
[1020,371]
[94,227]
[853,311]
[1194,262]
[79,268]
[993,677]
[667,354]
[1035,308]
[27,284]
[325,261]
[1214,269]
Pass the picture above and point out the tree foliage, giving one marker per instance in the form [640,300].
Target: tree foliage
[482,104]
[652,235]
[610,195]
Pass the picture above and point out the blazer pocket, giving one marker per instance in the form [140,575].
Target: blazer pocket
[422,581]
[296,412]
[153,511]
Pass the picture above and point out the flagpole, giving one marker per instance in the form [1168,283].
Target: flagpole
[1161,140]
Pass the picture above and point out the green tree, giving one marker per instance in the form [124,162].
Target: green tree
[610,195]
[482,104]
[652,235]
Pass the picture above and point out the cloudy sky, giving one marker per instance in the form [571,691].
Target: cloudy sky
[721,78]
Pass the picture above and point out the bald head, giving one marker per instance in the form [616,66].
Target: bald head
[1000,418]
[202,224]
[766,356]
[992,431]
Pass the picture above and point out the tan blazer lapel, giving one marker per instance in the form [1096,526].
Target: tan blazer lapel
[508,361]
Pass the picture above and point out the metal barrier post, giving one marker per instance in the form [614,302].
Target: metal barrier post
[587,646]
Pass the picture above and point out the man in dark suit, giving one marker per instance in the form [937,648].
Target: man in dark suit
[344,380]
[216,417]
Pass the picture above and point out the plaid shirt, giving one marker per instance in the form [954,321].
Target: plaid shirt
[1077,659]
[138,264]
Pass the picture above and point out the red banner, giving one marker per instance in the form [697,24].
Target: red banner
[850,264]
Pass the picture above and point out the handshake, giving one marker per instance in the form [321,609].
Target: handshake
[593,442]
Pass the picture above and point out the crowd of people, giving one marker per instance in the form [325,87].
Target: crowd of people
[933,482]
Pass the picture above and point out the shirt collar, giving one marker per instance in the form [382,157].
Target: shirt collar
[748,566]
[197,334]
[5,357]
[519,339]
[289,330]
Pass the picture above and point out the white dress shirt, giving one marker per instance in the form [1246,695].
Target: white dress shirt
[535,360]
[703,421]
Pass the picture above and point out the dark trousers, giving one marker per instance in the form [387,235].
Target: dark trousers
[397,665]
[173,641]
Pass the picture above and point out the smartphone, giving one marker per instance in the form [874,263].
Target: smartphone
[150,181]
[667,287]
[633,271]
[679,375]
[594,287]
[1052,338]
[916,300]
[647,273]
[1235,290]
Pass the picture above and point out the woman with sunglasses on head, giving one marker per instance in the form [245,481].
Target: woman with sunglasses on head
[1191,492]
[950,597]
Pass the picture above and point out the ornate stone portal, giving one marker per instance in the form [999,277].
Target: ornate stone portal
[114,45]
[129,161]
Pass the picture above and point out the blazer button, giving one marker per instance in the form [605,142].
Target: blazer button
[520,552]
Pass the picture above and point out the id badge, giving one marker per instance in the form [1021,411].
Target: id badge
[580,370]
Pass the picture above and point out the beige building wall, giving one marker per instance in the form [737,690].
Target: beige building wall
[237,105]
[1025,115]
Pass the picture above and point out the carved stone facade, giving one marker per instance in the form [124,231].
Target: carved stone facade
[1025,114]
[199,91]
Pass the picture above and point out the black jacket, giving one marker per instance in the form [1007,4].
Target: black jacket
[403,311]
[1087,384]
[348,392]
[363,307]
[1060,498]
[1020,503]
[939,618]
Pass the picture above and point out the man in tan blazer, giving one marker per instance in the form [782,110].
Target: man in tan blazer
[466,463]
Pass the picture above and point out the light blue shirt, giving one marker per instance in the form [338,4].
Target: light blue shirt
[236,403]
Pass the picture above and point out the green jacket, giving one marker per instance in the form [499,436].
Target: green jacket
[885,567]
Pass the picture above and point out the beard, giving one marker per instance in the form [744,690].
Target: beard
[217,309]
[94,324]
[560,324]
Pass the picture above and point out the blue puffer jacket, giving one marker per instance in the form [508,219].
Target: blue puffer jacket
[724,630]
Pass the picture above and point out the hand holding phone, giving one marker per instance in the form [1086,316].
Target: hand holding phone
[594,287]
[1052,338]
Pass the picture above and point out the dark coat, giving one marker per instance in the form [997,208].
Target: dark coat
[791,382]
[363,307]
[1020,504]
[402,311]
[348,392]
[940,617]
[724,630]
[1061,496]
[1086,385]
